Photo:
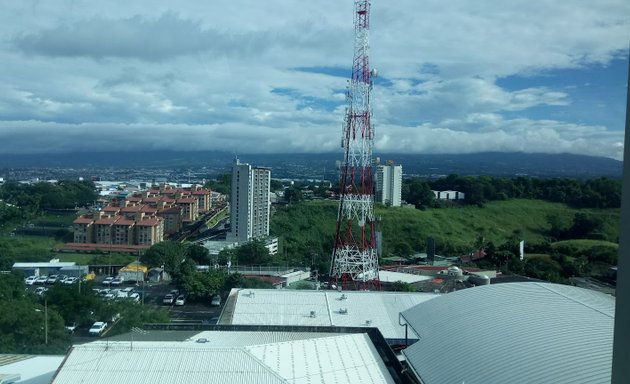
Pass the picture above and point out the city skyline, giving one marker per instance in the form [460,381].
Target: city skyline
[270,77]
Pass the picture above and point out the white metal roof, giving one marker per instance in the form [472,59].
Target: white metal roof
[348,358]
[246,338]
[356,309]
[31,369]
[392,277]
[514,333]
[60,264]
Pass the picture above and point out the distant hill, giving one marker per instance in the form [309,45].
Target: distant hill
[317,166]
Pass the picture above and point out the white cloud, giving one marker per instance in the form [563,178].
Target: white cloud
[226,74]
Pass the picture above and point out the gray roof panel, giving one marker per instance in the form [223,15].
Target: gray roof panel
[514,332]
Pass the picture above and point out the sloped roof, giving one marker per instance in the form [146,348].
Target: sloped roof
[304,360]
[514,333]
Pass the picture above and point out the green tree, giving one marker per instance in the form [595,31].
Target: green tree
[76,303]
[293,194]
[400,286]
[253,253]
[169,254]
[203,285]
[221,184]
[199,254]
[31,328]
[12,286]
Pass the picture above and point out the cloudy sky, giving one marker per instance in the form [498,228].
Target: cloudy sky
[455,76]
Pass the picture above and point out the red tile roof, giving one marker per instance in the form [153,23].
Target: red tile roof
[106,221]
[83,220]
[123,221]
[148,222]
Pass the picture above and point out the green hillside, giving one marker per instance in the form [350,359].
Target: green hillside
[307,229]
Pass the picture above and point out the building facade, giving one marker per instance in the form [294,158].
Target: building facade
[389,184]
[249,202]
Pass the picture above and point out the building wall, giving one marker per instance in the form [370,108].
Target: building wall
[249,202]
[389,185]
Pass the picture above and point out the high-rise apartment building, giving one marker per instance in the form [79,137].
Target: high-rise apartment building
[388,184]
[249,202]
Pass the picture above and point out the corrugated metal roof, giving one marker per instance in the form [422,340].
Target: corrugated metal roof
[514,333]
[392,277]
[290,307]
[156,363]
[342,359]
[242,338]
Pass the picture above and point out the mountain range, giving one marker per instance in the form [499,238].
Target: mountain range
[325,165]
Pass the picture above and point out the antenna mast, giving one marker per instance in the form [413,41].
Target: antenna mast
[355,257]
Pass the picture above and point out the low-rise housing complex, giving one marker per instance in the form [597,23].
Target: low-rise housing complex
[142,219]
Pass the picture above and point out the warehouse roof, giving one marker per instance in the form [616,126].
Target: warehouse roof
[514,332]
[325,308]
[353,359]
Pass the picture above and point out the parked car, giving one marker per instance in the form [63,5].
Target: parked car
[71,280]
[30,280]
[41,280]
[180,300]
[108,280]
[216,301]
[52,279]
[117,281]
[168,299]
[135,296]
[40,291]
[71,327]
[97,328]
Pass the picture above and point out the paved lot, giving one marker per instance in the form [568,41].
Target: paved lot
[153,295]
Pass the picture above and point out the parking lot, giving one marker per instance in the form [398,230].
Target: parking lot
[151,294]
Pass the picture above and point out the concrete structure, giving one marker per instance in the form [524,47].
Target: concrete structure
[249,203]
[323,308]
[389,184]
[449,195]
[513,333]
[233,357]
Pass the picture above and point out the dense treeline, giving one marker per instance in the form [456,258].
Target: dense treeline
[592,193]
[64,194]
[32,324]
[180,261]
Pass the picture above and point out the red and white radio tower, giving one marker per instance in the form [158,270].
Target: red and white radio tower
[354,257]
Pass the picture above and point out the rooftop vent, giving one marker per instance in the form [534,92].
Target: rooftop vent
[313,314]
[368,322]
[202,340]
[343,311]
[343,296]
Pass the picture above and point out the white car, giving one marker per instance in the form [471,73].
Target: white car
[108,280]
[97,328]
[30,280]
[40,291]
[41,279]
[70,280]
[180,300]
[52,279]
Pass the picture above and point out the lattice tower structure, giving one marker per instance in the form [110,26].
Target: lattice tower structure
[354,257]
